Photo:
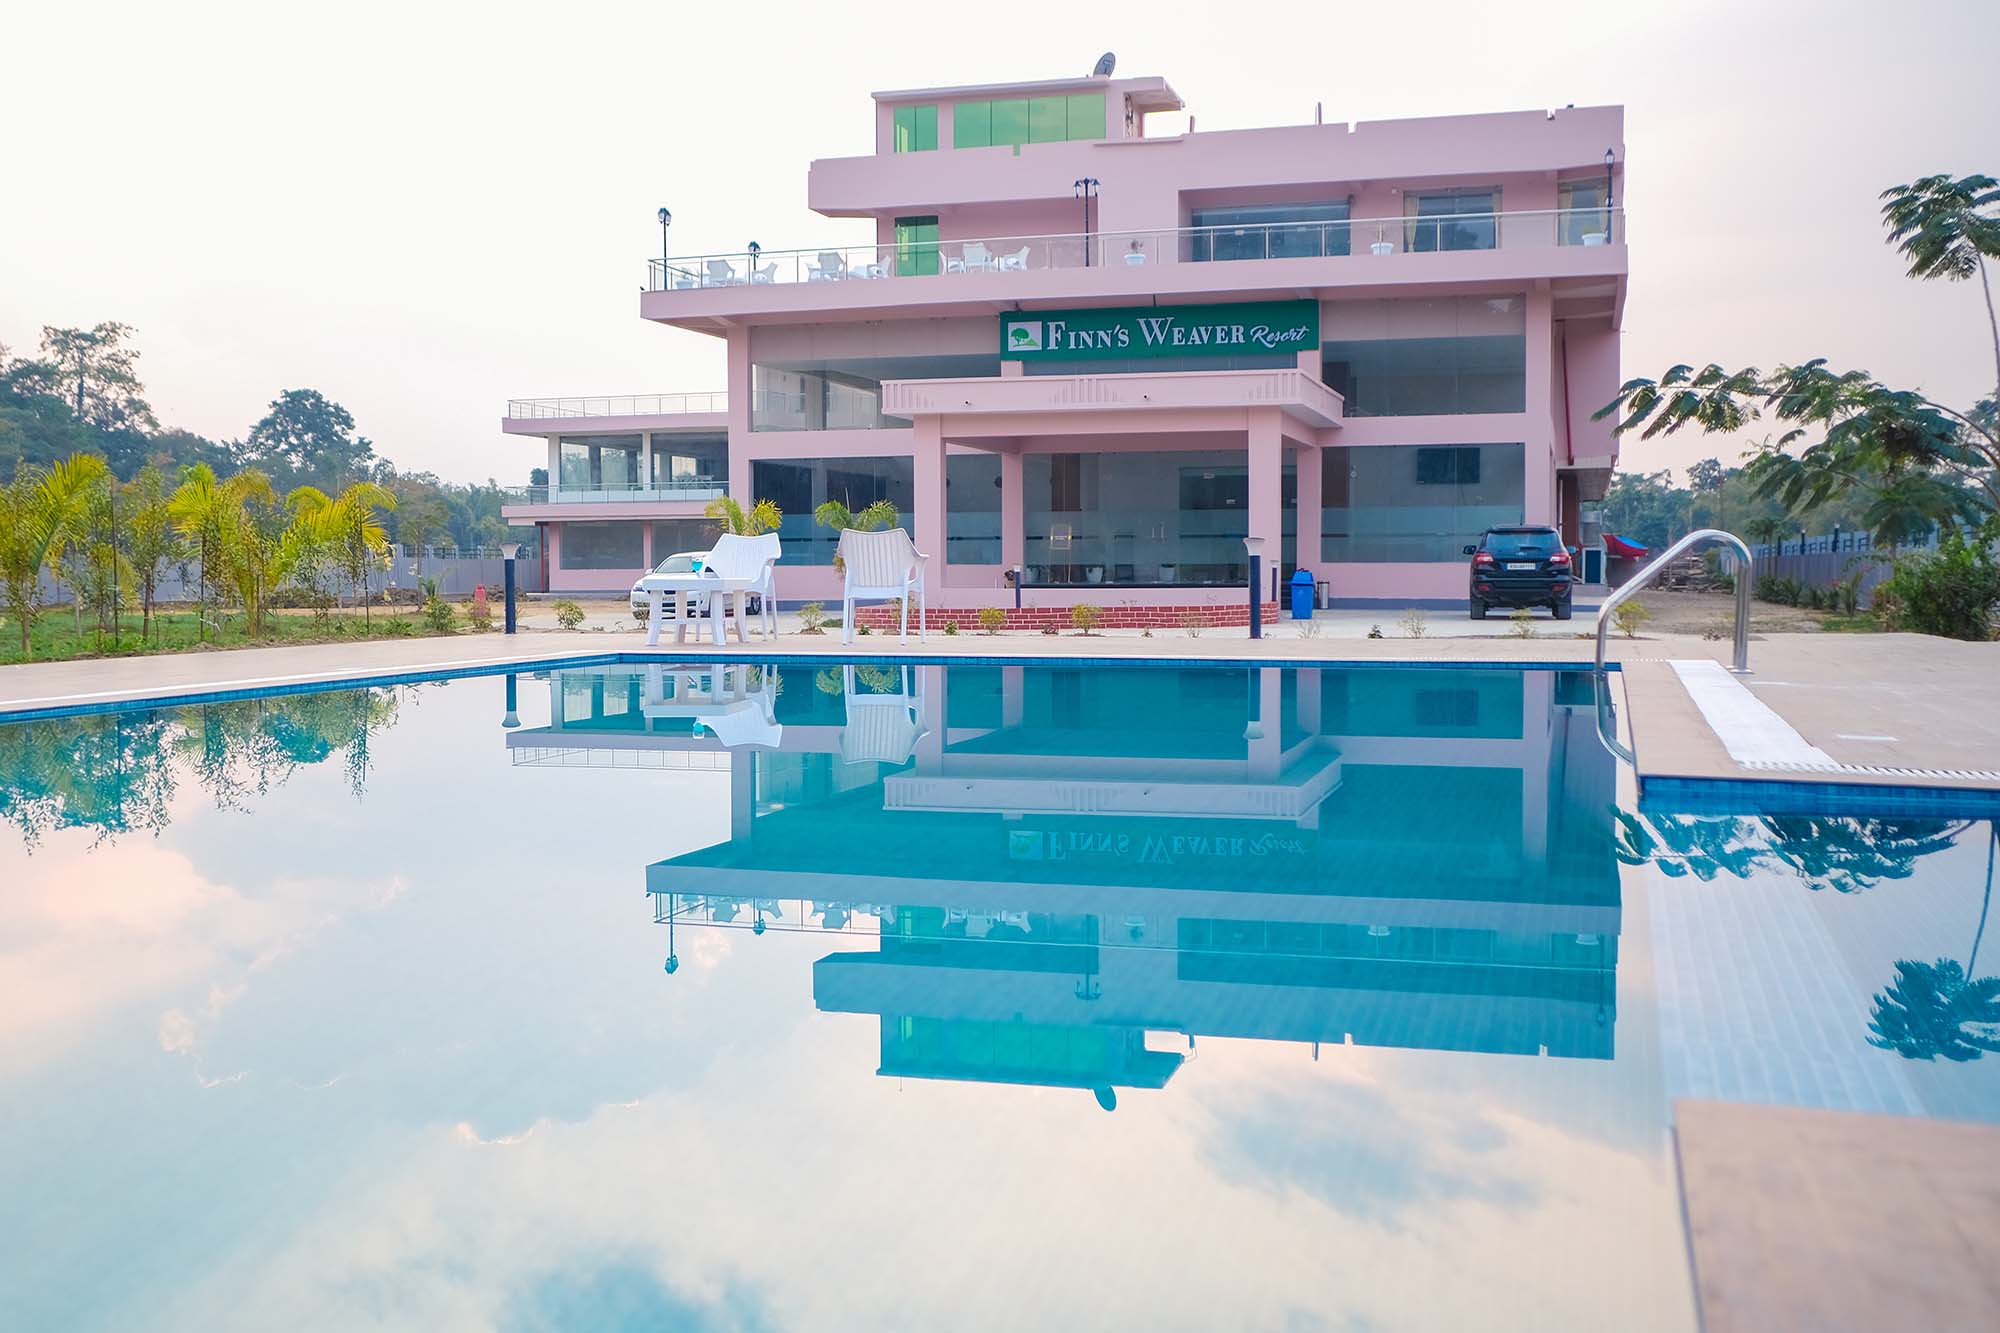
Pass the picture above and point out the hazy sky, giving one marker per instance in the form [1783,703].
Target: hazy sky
[424,210]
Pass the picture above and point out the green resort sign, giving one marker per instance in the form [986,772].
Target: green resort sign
[1245,328]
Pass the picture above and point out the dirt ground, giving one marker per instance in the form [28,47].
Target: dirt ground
[1703,612]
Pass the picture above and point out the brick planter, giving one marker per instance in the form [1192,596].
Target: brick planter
[1035,618]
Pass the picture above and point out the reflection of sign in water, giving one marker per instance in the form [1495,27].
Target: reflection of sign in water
[1164,847]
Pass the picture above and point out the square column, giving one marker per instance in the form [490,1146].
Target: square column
[927,520]
[1309,460]
[739,417]
[1538,459]
[1013,511]
[1267,489]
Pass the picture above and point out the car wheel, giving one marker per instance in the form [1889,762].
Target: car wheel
[1478,609]
[1560,610]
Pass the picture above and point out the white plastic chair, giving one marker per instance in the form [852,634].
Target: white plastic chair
[832,267]
[745,565]
[978,258]
[880,564]
[882,728]
[721,274]
[1016,262]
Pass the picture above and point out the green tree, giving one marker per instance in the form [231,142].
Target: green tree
[352,529]
[1948,229]
[94,371]
[763,516]
[1705,476]
[151,540]
[38,512]
[210,515]
[308,436]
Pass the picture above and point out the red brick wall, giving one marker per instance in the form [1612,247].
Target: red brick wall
[884,617]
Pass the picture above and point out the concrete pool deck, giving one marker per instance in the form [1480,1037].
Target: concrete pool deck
[1851,710]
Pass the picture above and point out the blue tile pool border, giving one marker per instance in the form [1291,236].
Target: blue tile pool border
[1790,796]
[526,665]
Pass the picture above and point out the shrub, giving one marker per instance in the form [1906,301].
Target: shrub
[1521,623]
[399,627]
[1048,629]
[1192,624]
[1413,623]
[1950,592]
[1084,617]
[1778,589]
[478,616]
[569,615]
[1308,628]
[1374,631]
[991,618]
[951,627]
[1629,616]
[812,618]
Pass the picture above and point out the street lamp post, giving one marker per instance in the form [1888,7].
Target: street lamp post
[1255,546]
[666,219]
[755,250]
[509,552]
[1086,190]
[1610,159]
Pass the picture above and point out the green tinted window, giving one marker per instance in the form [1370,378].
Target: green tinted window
[1010,121]
[972,125]
[916,245]
[1086,116]
[1048,119]
[915,128]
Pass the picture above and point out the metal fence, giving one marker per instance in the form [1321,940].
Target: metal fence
[1835,557]
[458,572]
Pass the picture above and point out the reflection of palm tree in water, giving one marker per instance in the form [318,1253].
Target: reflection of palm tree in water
[1844,854]
[1940,1009]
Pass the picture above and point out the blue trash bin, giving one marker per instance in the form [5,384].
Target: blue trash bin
[1302,595]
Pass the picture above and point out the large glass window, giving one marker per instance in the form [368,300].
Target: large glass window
[1019,120]
[1585,213]
[598,462]
[1137,519]
[799,486]
[1269,231]
[1444,356]
[846,394]
[915,128]
[1415,503]
[1451,220]
[603,546]
[690,459]
[972,509]
[671,536]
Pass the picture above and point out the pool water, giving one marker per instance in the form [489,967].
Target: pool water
[809,997]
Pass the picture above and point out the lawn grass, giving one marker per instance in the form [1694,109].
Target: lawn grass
[55,638]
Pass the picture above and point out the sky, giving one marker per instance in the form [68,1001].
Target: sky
[423,210]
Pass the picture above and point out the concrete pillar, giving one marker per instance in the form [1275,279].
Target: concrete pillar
[927,520]
[647,477]
[739,417]
[929,684]
[1308,460]
[555,464]
[1264,737]
[742,791]
[1538,450]
[1537,697]
[1013,695]
[1013,512]
[1267,482]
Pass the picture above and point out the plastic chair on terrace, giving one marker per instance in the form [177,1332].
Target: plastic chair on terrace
[745,565]
[832,267]
[721,273]
[1014,263]
[880,565]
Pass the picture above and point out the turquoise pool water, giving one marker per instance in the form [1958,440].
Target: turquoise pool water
[984,997]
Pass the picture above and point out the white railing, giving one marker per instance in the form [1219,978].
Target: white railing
[666,489]
[616,405]
[1365,238]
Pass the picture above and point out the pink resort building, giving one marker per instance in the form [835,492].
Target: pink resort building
[1102,357]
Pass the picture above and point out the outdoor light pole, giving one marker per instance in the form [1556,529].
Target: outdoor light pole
[1255,546]
[513,716]
[666,218]
[1086,189]
[509,552]
[1610,158]
[755,250]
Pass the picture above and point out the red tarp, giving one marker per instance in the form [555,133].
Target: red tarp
[1620,549]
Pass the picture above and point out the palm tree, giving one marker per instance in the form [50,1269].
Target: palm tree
[38,513]
[151,539]
[1946,229]
[210,514]
[352,530]
[764,516]
[1768,530]
[1940,1009]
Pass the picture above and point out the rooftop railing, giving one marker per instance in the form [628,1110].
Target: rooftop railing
[615,405]
[1367,238]
[667,488]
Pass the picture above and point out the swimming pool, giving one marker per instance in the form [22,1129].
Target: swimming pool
[865,996]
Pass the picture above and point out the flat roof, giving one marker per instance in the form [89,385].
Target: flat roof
[1149,93]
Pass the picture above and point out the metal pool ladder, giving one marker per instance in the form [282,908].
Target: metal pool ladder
[1740,666]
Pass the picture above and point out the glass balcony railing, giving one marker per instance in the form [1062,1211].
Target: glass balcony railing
[666,489]
[1362,237]
[615,405]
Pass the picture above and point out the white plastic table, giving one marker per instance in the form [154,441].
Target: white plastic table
[658,587]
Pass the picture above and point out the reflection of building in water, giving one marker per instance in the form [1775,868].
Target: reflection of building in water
[1070,859]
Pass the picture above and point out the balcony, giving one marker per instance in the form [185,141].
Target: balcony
[615,501]
[616,405]
[1363,240]
[1002,398]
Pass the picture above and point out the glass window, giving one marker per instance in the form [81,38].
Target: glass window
[1584,213]
[1010,121]
[972,125]
[1085,114]
[1443,356]
[672,536]
[1451,220]
[598,462]
[799,486]
[916,245]
[1415,503]
[972,509]
[846,394]
[688,460]
[1269,231]
[603,546]
[1137,518]
[1048,119]
[916,128]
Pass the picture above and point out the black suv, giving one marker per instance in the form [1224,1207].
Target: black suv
[1520,567]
